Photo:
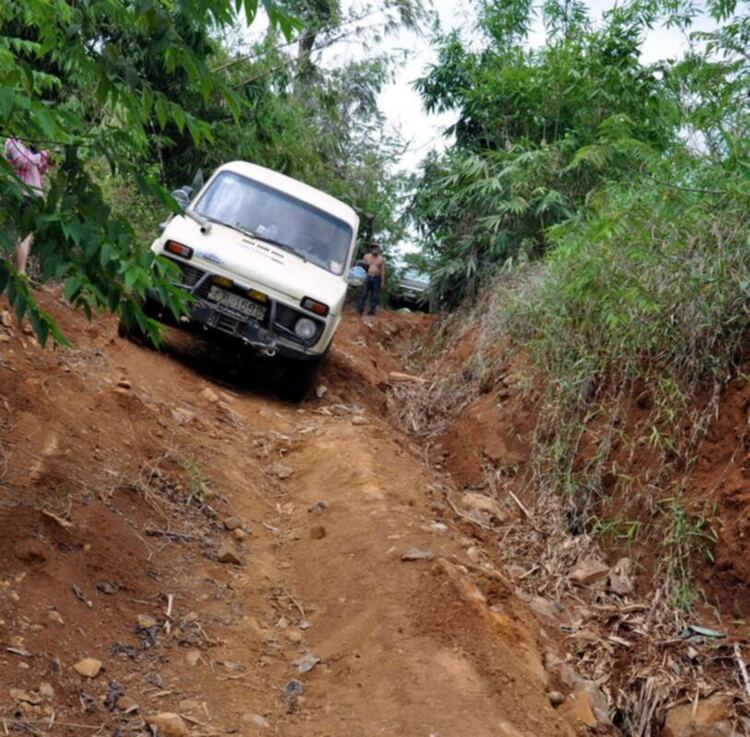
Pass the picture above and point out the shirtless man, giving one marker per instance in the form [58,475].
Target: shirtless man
[375,281]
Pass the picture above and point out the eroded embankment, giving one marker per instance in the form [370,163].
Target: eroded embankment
[180,552]
[603,574]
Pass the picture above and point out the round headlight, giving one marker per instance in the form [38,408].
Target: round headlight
[305,328]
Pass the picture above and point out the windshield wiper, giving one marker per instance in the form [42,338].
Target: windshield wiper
[266,239]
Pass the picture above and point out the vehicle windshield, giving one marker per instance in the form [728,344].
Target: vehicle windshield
[275,216]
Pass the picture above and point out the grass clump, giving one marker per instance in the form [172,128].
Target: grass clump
[635,324]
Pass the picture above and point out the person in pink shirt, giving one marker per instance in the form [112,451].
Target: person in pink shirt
[30,167]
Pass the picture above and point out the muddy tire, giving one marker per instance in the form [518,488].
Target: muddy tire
[295,379]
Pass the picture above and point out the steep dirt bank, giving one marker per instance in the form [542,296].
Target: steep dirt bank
[621,625]
[164,516]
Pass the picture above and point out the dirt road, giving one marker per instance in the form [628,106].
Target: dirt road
[122,470]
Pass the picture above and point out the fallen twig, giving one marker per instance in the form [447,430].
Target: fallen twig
[151,532]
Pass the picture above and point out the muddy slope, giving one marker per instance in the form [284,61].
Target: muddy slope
[245,565]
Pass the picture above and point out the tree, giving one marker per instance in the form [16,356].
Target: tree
[99,80]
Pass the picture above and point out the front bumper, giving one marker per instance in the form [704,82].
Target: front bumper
[273,335]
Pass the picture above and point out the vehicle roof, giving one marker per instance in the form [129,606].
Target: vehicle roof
[297,189]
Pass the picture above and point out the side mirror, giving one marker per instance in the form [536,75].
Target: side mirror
[182,196]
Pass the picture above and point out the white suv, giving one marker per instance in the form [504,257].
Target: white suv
[267,259]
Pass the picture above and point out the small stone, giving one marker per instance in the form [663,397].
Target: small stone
[318,507]
[294,635]
[555,698]
[6,319]
[227,554]
[321,391]
[124,384]
[88,667]
[256,720]
[577,711]
[232,523]
[182,416]
[293,689]
[168,724]
[306,664]
[239,534]
[282,471]
[46,690]
[619,577]
[193,657]
[439,528]
[18,694]
[589,571]
[359,420]
[483,505]
[318,532]
[126,704]
[145,622]
[4,338]
[417,554]
[209,395]
[190,705]
[54,616]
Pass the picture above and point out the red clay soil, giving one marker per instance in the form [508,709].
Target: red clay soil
[496,431]
[122,472]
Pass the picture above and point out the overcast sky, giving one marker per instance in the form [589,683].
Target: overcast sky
[402,105]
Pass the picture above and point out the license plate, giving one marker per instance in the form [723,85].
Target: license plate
[238,304]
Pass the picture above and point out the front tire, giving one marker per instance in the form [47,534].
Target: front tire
[295,378]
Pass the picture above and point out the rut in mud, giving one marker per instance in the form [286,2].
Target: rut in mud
[243,564]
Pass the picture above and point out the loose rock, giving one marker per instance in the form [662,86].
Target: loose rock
[124,384]
[227,554]
[577,711]
[26,697]
[126,704]
[193,657]
[619,578]
[555,698]
[239,534]
[293,689]
[318,507]
[321,391]
[709,714]
[483,503]
[282,471]
[209,395]
[318,532]
[46,690]
[88,667]
[168,724]
[359,420]
[307,663]
[54,616]
[145,622]
[256,720]
[417,554]
[232,523]
[589,571]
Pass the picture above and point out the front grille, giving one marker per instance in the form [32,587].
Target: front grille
[227,324]
[190,275]
[286,316]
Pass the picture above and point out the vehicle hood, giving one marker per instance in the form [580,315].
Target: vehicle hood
[256,263]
